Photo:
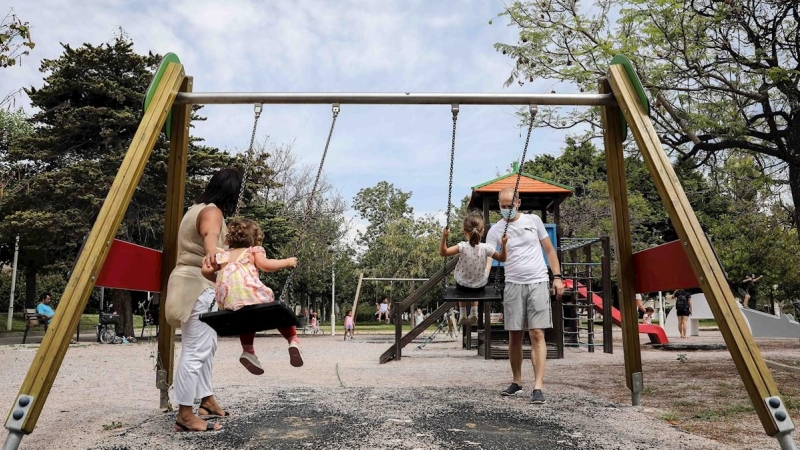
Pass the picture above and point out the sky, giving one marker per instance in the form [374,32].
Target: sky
[322,46]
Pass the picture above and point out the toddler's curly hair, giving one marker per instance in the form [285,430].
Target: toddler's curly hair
[244,233]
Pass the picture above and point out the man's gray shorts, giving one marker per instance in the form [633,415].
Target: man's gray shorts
[527,303]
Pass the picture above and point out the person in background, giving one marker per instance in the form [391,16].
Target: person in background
[648,316]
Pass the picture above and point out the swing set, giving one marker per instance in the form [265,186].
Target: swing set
[623,105]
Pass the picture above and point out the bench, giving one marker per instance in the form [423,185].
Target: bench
[32,319]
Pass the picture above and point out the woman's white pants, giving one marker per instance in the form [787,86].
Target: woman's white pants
[198,344]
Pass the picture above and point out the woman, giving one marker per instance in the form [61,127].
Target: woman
[189,294]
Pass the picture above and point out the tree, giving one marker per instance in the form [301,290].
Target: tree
[395,243]
[380,205]
[88,110]
[723,74]
[15,40]
[14,127]
[746,225]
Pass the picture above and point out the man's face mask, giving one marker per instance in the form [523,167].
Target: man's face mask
[508,213]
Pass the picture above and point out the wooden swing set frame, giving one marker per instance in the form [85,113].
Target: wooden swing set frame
[621,100]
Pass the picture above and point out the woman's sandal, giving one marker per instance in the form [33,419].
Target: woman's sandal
[210,415]
[184,428]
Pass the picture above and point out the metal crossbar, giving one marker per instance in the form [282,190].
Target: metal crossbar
[399,98]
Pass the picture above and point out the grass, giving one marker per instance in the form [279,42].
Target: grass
[112,426]
[670,417]
[707,323]
[88,323]
[715,413]
[648,390]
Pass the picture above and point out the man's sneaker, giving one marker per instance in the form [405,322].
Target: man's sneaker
[512,390]
[295,358]
[472,319]
[537,398]
[251,363]
[462,320]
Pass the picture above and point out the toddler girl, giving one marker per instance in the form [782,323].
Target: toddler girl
[470,272]
[349,325]
[238,285]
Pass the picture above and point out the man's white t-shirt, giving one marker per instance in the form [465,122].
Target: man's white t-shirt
[525,261]
[470,270]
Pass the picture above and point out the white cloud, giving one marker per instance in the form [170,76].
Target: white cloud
[347,46]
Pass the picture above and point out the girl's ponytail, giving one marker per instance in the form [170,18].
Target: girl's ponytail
[473,224]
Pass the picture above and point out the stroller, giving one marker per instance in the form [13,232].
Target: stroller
[105,333]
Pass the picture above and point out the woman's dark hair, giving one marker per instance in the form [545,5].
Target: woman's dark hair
[223,191]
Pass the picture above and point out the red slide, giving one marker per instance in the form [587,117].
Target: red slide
[656,333]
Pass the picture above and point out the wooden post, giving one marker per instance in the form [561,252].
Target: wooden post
[176,189]
[587,254]
[398,332]
[745,353]
[44,369]
[618,194]
[608,333]
[358,293]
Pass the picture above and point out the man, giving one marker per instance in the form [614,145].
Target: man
[526,298]
[43,309]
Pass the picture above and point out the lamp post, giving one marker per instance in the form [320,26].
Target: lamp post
[13,285]
[333,300]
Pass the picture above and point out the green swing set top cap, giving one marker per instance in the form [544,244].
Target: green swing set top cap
[151,90]
[625,62]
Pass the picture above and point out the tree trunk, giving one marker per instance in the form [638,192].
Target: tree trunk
[793,147]
[30,286]
[794,186]
[122,305]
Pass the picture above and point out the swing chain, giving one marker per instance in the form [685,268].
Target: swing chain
[454,109]
[289,285]
[532,109]
[248,158]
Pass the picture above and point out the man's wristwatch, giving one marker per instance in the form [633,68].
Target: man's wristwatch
[558,275]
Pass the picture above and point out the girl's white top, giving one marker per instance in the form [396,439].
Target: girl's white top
[471,267]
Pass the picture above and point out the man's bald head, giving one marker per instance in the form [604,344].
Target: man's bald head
[505,196]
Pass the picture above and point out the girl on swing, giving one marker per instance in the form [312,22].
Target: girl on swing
[470,272]
[238,284]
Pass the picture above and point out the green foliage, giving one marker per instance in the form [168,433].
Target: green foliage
[381,205]
[15,40]
[87,112]
[396,244]
[723,75]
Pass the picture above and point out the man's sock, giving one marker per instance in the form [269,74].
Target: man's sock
[462,311]
[473,311]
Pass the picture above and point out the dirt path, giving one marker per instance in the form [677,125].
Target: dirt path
[438,397]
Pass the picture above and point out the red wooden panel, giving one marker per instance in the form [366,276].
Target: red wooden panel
[663,268]
[131,267]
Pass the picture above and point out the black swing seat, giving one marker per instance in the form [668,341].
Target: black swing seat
[488,294]
[251,319]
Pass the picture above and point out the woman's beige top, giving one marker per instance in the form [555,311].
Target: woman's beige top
[186,282]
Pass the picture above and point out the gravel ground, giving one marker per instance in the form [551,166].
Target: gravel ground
[438,397]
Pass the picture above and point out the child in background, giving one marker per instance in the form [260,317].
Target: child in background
[418,318]
[648,316]
[349,325]
[238,285]
[470,272]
